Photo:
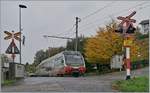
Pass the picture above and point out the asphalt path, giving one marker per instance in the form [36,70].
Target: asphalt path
[100,83]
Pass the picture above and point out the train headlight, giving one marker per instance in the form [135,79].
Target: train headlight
[68,69]
[82,69]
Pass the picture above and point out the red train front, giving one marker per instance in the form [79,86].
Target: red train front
[74,64]
[70,70]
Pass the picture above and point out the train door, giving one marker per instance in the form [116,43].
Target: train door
[59,64]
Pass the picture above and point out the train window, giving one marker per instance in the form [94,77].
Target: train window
[76,56]
[48,69]
[59,58]
[73,59]
[62,61]
[59,62]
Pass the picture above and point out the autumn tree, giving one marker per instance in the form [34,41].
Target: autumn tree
[106,43]
[140,47]
[139,50]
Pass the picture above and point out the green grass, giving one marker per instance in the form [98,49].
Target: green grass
[138,84]
[8,82]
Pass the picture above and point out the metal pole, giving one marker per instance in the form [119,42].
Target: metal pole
[20,6]
[20,31]
[13,50]
[76,45]
[58,37]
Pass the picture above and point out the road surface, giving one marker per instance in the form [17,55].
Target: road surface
[101,83]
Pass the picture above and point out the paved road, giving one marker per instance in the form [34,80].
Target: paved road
[100,83]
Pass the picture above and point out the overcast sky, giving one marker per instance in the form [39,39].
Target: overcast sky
[56,18]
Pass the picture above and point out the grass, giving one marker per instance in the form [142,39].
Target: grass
[9,82]
[138,84]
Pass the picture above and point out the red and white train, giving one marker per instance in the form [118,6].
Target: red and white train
[64,63]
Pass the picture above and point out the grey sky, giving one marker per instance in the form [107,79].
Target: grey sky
[53,18]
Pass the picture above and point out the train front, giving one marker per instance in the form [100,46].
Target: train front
[74,63]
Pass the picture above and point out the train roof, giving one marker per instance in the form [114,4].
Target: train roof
[71,52]
[49,58]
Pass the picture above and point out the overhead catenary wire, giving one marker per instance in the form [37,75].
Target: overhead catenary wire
[143,7]
[85,17]
[108,5]
[67,31]
[99,10]
[61,37]
[96,26]
[131,8]
[57,37]
[124,10]
[70,34]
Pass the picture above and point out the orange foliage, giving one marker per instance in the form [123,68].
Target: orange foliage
[104,45]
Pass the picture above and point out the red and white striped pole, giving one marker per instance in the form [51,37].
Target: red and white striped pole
[128,63]
[127,52]
[126,23]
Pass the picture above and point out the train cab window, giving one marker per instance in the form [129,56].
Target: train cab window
[62,61]
[74,60]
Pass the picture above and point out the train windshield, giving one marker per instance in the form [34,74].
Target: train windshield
[73,59]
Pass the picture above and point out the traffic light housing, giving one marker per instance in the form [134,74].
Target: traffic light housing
[130,29]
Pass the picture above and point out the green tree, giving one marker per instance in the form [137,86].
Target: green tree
[141,47]
[42,55]
[27,66]
[30,67]
[39,57]
[52,51]
[71,44]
